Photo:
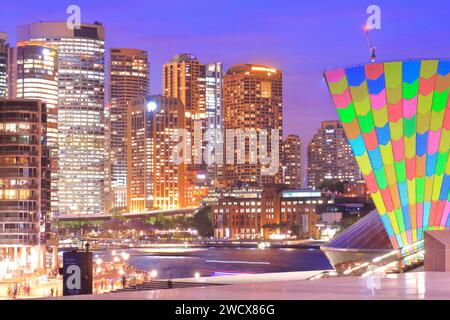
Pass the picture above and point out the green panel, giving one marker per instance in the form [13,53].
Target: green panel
[410,90]
[380,177]
[441,163]
[420,184]
[409,126]
[439,101]
[366,123]
[399,216]
[347,114]
[400,170]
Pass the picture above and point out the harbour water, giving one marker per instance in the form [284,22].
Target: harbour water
[214,261]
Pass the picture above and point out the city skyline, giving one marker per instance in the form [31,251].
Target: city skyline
[286,29]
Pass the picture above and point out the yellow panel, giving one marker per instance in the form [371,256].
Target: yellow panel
[378,201]
[396,130]
[380,117]
[338,87]
[428,68]
[444,145]
[389,169]
[410,147]
[364,163]
[393,222]
[436,190]
[411,185]
[386,153]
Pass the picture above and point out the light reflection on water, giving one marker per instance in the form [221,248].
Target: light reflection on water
[183,263]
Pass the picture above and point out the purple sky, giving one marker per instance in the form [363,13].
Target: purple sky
[300,37]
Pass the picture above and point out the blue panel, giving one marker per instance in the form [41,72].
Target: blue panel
[355,75]
[383,134]
[377,85]
[403,191]
[426,214]
[411,71]
[431,164]
[358,145]
[406,218]
[375,158]
[445,187]
[421,143]
[443,67]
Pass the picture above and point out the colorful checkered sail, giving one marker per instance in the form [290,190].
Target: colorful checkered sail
[396,116]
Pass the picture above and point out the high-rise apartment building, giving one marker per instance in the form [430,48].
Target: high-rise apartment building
[128,80]
[293,162]
[181,80]
[330,158]
[81,112]
[3,63]
[199,87]
[33,74]
[155,179]
[252,102]
[24,180]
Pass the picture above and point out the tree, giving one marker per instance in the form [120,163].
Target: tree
[202,222]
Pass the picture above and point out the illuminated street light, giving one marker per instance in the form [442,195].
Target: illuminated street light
[153,274]
[197,275]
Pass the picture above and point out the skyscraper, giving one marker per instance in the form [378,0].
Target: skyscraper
[211,84]
[33,74]
[185,78]
[128,79]
[81,112]
[181,80]
[25,180]
[252,101]
[3,63]
[293,162]
[330,158]
[155,180]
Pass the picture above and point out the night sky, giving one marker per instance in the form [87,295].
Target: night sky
[300,37]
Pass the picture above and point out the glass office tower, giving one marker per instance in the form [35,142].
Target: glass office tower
[81,112]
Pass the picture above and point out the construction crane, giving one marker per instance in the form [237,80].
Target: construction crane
[369,42]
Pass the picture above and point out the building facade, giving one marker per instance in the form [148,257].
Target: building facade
[81,112]
[293,162]
[155,180]
[330,158]
[3,63]
[252,102]
[199,87]
[33,74]
[128,80]
[272,212]
[24,181]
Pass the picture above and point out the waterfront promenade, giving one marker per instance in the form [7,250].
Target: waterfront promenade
[409,286]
